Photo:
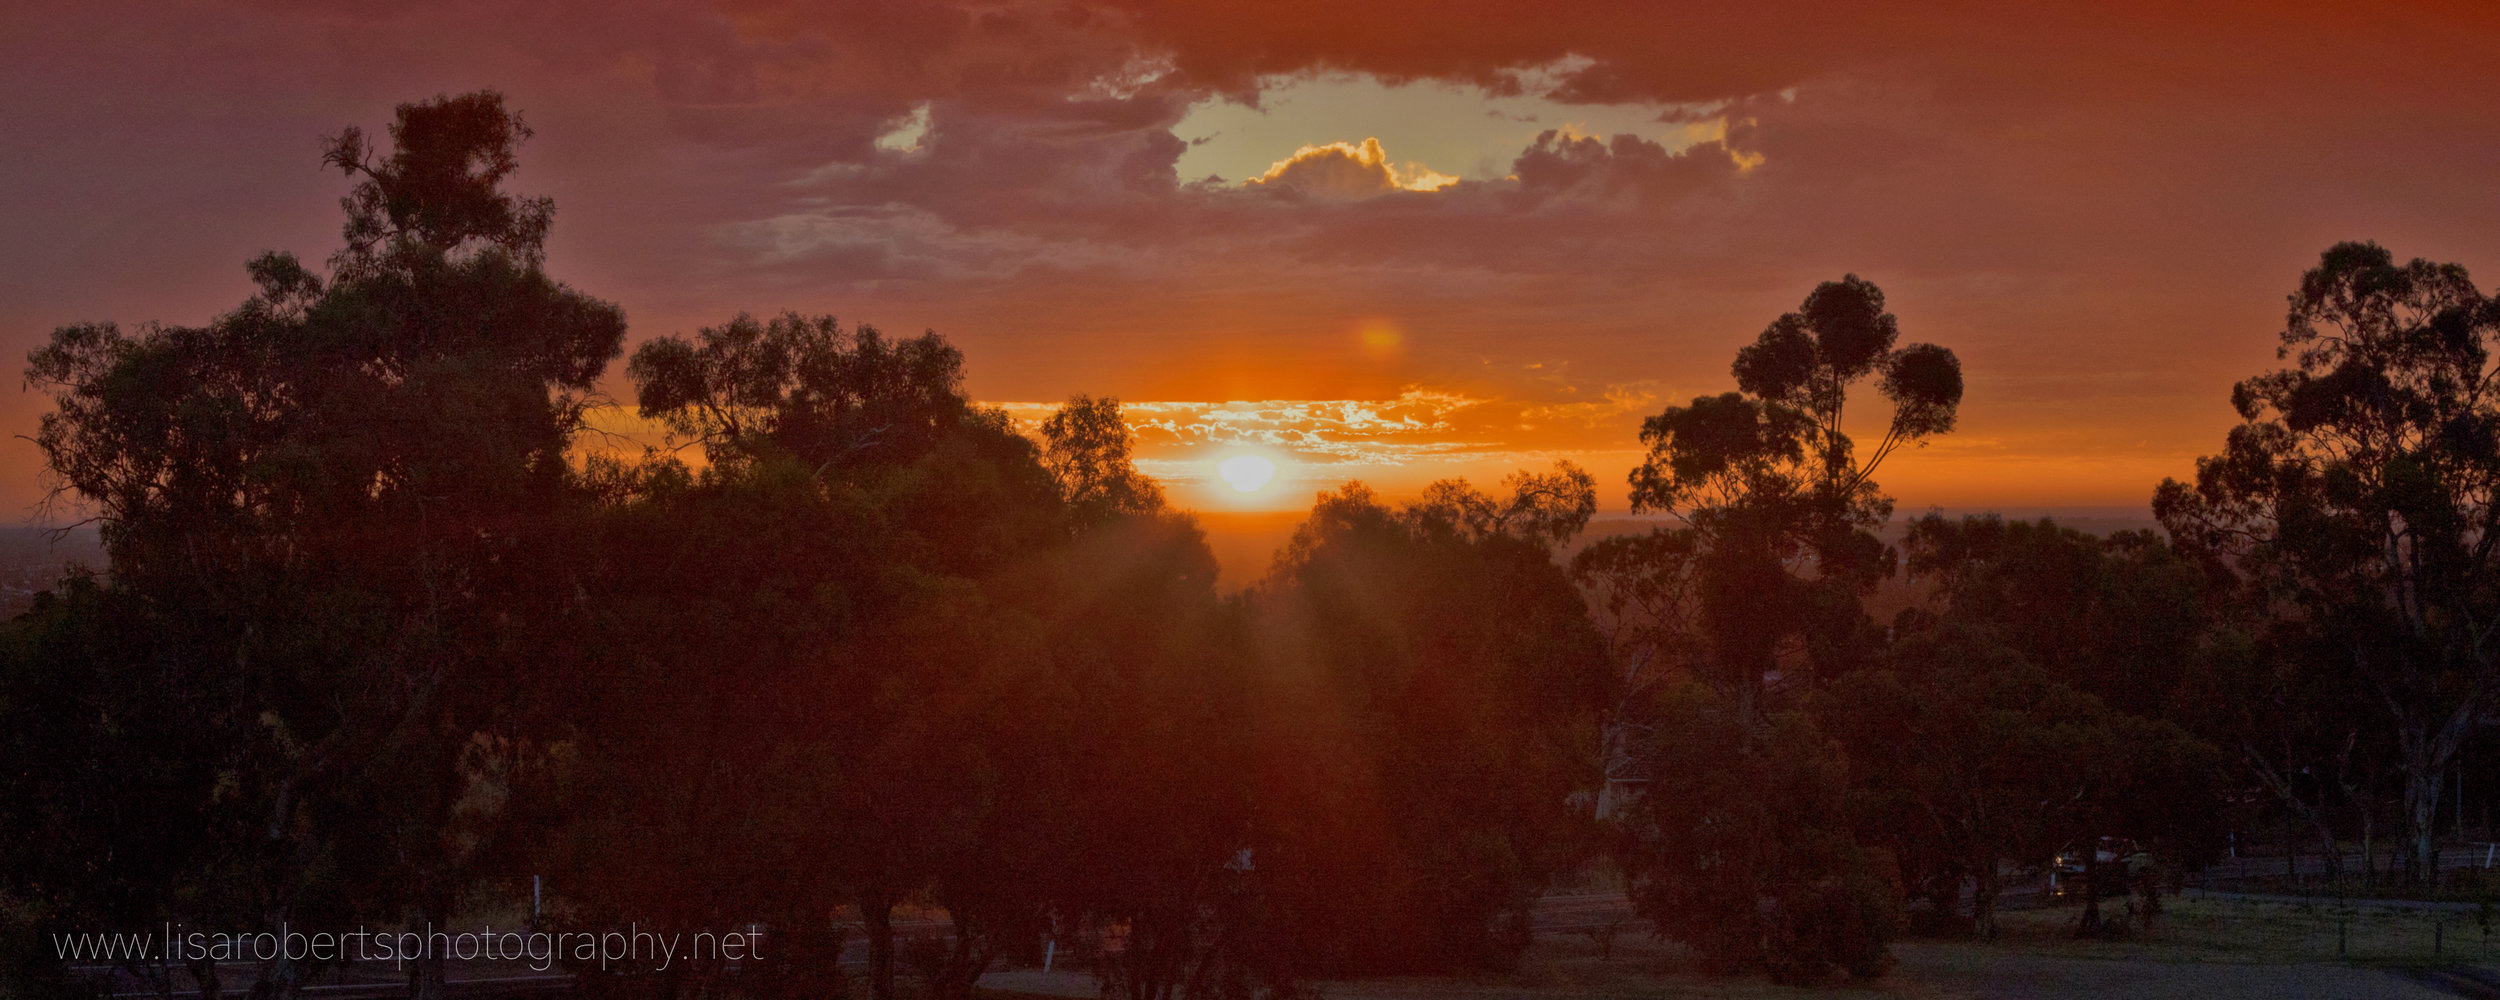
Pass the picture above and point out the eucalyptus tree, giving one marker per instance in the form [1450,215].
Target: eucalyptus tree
[1744,847]
[334,498]
[1086,446]
[2121,618]
[1430,682]
[1968,755]
[1769,481]
[908,523]
[2360,495]
[1546,509]
[1774,509]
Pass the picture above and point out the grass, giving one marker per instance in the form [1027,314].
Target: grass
[2454,886]
[2223,930]
[2195,946]
[2198,948]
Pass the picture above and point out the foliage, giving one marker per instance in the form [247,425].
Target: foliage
[1771,483]
[1740,841]
[803,387]
[860,536]
[2119,618]
[2359,493]
[1434,689]
[332,496]
[1743,848]
[122,756]
[1086,447]
[1971,757]
[1546,509]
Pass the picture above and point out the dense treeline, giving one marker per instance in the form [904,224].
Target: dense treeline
[377,644]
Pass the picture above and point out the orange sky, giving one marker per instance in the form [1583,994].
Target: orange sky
[1393,241]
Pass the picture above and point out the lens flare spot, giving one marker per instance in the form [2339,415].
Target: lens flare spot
[1380,338]
[1246,473]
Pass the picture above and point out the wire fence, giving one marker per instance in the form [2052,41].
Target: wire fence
[2296,930]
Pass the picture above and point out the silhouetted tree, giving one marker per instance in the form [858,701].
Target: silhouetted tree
[1775,544]
[333,492]
[105,809]
[711,714]
[2118,618]
[2362,492]
[1967,756]
[1434,687]
[1086,446]
[1148,781]
[1547,509]
[1772,484]
[905,682]
[1743,847]
[842,402]
[2275,692]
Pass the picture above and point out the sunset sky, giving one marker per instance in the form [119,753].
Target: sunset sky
[1392,241]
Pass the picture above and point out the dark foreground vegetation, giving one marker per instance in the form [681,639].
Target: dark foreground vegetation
[377,643]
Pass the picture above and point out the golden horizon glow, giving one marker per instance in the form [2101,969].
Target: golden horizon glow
[1399,444]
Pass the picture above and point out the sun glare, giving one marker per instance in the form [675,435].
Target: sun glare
[1246,473]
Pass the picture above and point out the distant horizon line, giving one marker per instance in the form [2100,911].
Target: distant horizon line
[2130,512]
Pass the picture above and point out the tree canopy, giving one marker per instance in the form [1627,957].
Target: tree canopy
[2361,492]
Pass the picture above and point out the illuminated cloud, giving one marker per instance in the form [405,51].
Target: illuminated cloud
[1616,403]
[1369,432]
[1347,170]
[1467,129]
[906,134]
[1394,443]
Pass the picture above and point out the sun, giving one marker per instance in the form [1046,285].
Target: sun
[1246,473]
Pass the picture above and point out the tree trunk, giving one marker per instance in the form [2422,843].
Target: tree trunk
[204,973]
[279,980]
[1748,695]
[280,977]
[2422,788]
[876,913]
[2334,855]
[427,973]
[2369,844]
[968,956]
[1983,901]
[427,977]
[2090,925]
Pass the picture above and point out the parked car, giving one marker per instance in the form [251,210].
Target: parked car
[2118,859]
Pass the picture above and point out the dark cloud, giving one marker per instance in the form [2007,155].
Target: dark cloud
[1626,169]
